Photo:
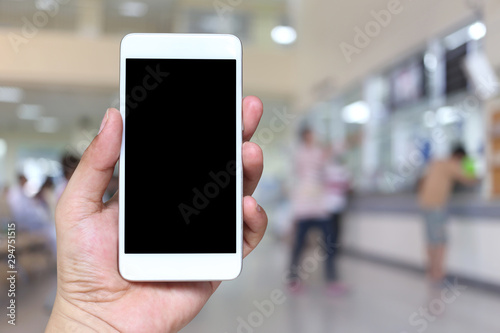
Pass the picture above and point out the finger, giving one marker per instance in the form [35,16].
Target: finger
[253,164]
[252,112]
[253,230]
[90,179]
[255,224]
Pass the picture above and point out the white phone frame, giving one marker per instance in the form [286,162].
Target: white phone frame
[182,267]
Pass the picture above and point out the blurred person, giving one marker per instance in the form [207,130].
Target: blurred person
[4,208]
[46,195]
[433,195]
[15,194]
[309,210]
[337,189]
[45,198]
[91,293]
[32,213]
[48,198]
[337,186]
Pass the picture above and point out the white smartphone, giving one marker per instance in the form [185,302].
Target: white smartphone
[180,165]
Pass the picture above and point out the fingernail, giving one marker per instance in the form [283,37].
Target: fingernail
[259,208]
[104,121]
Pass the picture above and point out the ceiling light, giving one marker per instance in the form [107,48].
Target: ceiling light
[29,111]
[357,113]
[46,5]
[284,35]
[133,9]
[11,94]
[477,31]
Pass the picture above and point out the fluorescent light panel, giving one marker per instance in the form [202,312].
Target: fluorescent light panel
[11,94]
[29,111]
[133,9]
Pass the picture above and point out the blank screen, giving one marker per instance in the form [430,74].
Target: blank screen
[180,156]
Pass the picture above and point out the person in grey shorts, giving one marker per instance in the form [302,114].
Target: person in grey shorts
[433,195]
[435,226]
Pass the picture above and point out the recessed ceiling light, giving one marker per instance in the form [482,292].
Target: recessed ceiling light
[133,9]
[29,111]
[11,94]
[46,5]
[477,31]
[284,35]
[356,113]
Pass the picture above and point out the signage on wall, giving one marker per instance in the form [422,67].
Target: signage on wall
[408,83]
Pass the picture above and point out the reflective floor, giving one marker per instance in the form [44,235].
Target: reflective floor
[381,299]
[32,305]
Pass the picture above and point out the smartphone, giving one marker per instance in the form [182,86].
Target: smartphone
[180,164]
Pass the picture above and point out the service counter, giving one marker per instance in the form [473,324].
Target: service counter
[390,228]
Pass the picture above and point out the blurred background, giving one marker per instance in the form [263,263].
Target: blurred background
[386,86]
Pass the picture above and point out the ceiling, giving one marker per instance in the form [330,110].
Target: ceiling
[70,107]
[154,14]
[325,30]
[119,16]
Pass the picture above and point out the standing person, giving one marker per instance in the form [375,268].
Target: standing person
[44,199]
[433,196]
[308,206]
[337,185]
[31,212]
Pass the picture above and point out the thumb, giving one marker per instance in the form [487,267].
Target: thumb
[85,190]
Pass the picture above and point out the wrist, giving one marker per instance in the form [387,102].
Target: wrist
[66,317]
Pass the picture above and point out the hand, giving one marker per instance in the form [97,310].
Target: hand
[91,294]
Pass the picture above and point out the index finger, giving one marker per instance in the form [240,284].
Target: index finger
[252,112]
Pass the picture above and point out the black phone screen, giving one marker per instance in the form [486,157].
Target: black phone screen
[180,156]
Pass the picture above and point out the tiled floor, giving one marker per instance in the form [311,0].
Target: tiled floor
[382,299]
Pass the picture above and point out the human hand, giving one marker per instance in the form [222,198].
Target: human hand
[91,294]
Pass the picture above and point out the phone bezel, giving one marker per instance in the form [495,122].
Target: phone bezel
[182,267]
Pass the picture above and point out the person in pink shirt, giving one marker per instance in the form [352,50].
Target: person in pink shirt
[310,210]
